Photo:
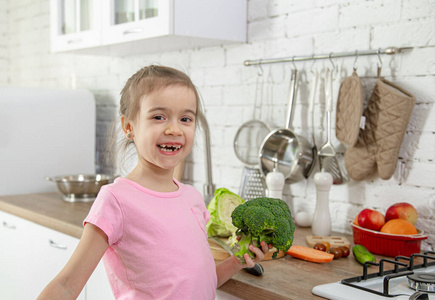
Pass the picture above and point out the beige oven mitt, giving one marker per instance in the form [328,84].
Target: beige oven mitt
[377,148]
[350,104]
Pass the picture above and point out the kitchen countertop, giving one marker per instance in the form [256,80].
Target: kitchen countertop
[49,210]
[284,278]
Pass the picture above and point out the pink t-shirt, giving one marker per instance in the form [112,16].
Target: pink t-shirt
[158,245]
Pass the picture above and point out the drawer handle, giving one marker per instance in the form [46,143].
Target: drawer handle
[58,246]
[8,226]
[133,30]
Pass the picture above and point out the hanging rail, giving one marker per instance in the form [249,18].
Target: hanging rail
[389,51]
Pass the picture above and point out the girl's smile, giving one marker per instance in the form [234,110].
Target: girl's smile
[169,149]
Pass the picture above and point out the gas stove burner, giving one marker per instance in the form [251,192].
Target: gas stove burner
[411,278]
[422,282]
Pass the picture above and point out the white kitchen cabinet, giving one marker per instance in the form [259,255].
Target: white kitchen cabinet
[128,20]
[32,255]
[75,24]
[129,27]
[28,260]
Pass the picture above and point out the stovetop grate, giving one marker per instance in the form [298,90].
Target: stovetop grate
[400,269]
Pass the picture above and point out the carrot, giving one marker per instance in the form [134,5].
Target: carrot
[310,254]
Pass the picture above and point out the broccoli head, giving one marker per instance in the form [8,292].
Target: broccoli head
[262,219]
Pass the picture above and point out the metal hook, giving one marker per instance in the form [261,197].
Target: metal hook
[312,65]
[293,62]
[379,58]
[260,71]
[356,59]
[332,63]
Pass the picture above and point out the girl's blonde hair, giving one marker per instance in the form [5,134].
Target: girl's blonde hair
[145,81]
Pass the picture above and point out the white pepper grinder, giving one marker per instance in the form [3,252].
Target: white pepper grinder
[275,183]
[322,219]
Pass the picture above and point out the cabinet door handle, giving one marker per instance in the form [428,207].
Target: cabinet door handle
[58,246]
[74,41]
[9,226]
[133,30]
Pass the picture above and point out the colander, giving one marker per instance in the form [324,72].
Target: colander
[80,187]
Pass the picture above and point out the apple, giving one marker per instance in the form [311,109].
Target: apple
[402,210]
[371,219]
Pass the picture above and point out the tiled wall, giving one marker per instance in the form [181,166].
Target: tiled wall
[275,29]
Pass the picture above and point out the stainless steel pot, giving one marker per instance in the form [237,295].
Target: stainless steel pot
[294,155]
[80,187]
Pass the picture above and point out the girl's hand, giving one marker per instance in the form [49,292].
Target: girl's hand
[232,265]
[259,254]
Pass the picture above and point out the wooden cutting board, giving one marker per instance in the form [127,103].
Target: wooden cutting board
[220,253]
[334,241]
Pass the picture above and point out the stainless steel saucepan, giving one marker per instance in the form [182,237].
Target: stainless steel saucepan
[293,153]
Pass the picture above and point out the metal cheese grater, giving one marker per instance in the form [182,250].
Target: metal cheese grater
[253,184]
[247,143]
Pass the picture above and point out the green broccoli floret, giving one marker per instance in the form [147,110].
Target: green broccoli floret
[262,219]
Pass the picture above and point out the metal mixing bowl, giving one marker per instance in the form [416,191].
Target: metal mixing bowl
[80,187]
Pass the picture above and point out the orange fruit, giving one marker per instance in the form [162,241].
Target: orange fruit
[355,221]
[399,226]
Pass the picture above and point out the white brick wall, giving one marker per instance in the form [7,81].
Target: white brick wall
[279,29]
[3,42]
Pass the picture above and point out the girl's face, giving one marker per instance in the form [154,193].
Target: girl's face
[164,128]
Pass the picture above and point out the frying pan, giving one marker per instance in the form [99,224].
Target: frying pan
[293,153]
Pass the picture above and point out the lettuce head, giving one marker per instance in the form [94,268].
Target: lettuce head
[220,208]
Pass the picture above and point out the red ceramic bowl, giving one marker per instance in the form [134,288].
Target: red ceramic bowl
[387,244]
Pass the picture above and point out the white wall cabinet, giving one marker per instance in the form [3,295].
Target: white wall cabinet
[125,21]
[75,24]
[126,27]
[32,255]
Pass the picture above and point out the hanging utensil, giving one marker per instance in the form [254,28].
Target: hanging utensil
[293,153]
[327,154]
[311,110]
[253,184]
[247,142]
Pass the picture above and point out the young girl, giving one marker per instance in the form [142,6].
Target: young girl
[148,227]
